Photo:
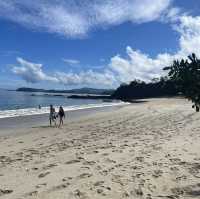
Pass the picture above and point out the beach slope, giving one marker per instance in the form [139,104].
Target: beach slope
[145,150]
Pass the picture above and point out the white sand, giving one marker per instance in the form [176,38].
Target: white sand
[147,150]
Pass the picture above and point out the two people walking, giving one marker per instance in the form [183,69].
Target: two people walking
[53,116]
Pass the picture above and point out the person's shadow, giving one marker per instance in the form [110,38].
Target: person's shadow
[44,127]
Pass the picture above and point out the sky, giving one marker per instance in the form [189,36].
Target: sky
[64,44]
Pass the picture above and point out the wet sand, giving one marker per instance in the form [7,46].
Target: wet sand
[147,150]
[18,125]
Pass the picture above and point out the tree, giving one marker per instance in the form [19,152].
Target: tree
[138,89]
[186,76]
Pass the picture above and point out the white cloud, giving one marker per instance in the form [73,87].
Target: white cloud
[141,66]
[87,78]
[136,65]
[73,18]
[136,11]
[189,29]
[71,61]
[172,15]
[31,72]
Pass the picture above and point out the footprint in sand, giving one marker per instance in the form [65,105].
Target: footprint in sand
[104,172]
[148,196]
[157,173]
[89,163]
[98,167]
[49,166]
[60,187]
[151,187]
[42,175]
[72,162]
[40,185]
[140,159]
[67,178]
[88,168]
[105,154]
[5,191]
[98,183]
[5,159]
[177,191]
[101,190]
[110,160]
[179,178]
[85,175]
[138,192]
[118,179]
[195,170]
[77,193]
[175,160]
[117,151]
[32,193]
[125,195]
[174,169]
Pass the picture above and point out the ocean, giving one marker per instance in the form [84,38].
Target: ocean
[13,103]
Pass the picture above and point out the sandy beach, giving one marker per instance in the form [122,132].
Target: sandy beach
[146,150]
[21,124]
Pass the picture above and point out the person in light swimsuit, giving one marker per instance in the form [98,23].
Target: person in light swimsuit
[52,115]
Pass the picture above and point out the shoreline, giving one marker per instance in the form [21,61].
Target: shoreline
[45,109]
[20,124]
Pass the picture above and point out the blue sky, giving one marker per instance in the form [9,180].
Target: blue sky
[97,44]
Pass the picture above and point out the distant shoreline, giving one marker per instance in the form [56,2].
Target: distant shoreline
[72,91]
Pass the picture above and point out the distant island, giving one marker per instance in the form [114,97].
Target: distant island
[135,90]
[92,91]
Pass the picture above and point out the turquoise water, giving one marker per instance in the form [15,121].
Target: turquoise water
[12,100]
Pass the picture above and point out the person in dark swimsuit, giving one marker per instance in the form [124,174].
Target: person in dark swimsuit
[61,115]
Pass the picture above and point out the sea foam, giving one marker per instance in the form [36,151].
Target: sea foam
[43,110]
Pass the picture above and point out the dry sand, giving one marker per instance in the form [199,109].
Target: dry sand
[146,150]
